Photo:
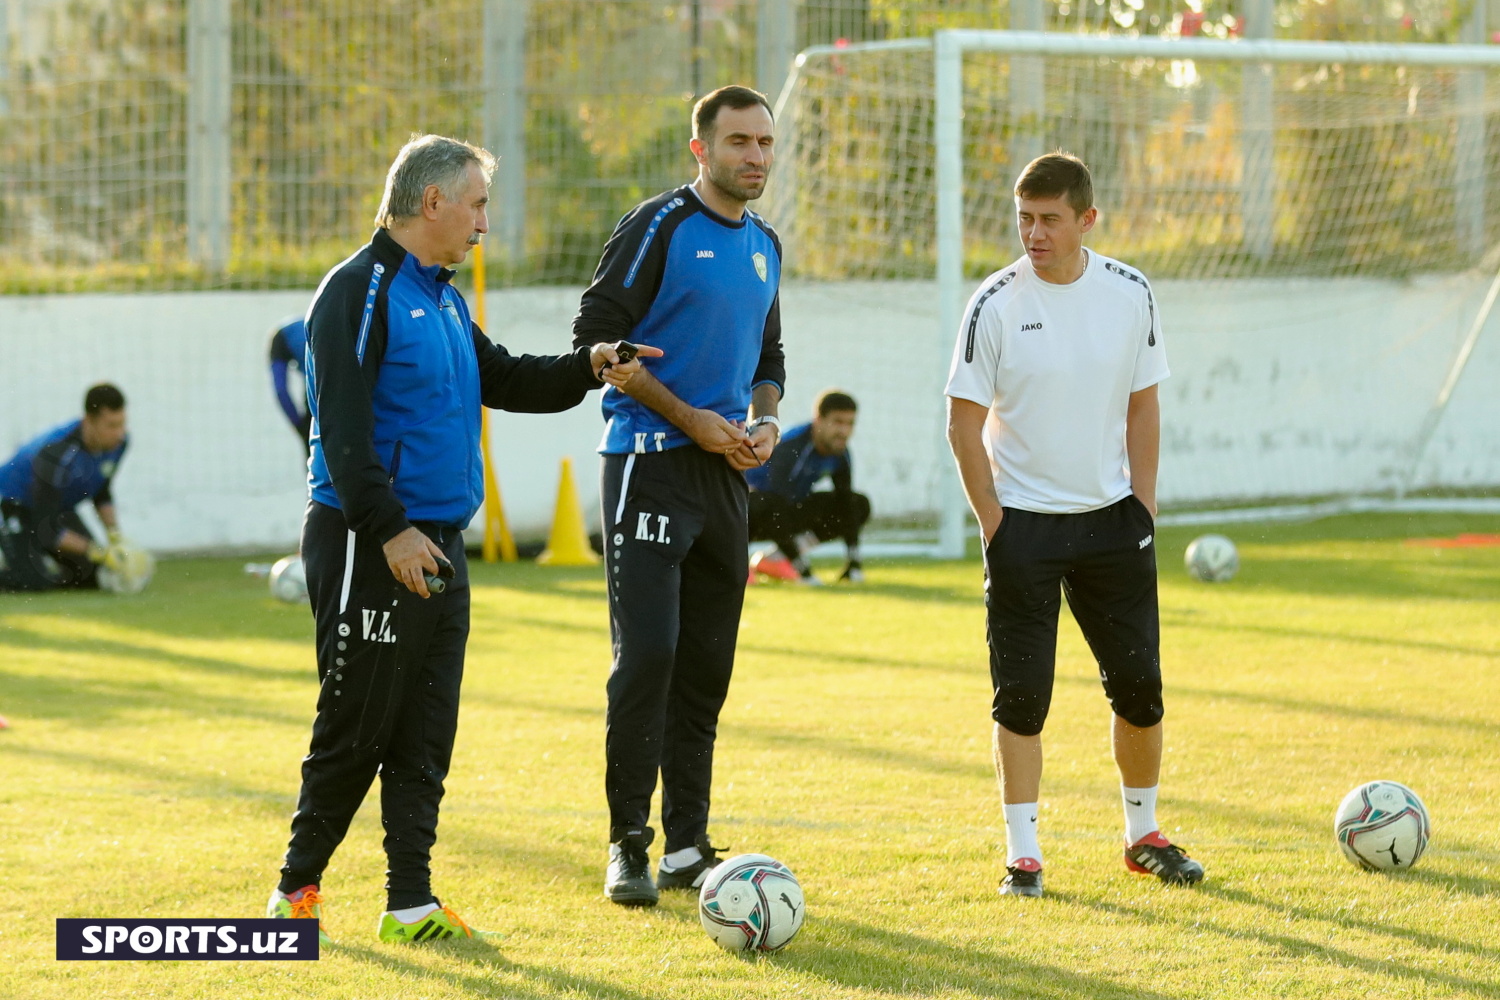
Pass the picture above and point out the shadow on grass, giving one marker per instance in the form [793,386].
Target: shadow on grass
[193,785]
[199,599]
[98,700]
[1471,885]
[1288,632]
[787,739]
[565,583]
[842,952]
[1420,980]
[1411,575]
[859,956]
[1173,689]
[554,581]
[23,638]
[482,963]
[977,668]
[1347,919]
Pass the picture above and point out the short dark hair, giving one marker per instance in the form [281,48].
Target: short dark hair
[1058,174]
[706,111]
[836,401]
[103,397]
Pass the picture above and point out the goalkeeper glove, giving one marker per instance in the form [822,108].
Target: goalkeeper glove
[108,558]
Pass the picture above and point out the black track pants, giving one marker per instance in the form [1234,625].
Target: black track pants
[676,555]
[390,665]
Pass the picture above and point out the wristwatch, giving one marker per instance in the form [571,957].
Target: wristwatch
[768,419]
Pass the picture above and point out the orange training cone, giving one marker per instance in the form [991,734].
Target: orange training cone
[569,542]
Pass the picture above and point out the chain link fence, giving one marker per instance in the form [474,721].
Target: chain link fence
[242,144]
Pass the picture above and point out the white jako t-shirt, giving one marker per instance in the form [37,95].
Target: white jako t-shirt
[1056,365]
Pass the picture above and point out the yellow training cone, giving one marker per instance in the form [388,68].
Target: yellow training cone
[569,543]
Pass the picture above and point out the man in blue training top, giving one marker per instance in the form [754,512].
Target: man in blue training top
[694,273]
[288,346]
[397,372]
[44,544]
[805,495]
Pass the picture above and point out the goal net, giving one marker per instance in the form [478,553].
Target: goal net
[1319,223]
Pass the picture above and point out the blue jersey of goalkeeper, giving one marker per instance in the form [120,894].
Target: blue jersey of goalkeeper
[54,471]
[797,467]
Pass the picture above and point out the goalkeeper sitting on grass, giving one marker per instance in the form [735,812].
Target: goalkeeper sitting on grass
[44,544]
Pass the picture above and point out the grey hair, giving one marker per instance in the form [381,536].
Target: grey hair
[424,160]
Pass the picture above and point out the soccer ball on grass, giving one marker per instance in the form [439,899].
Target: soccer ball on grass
[751,903]
[1382,826]
[289,580]
[1212,559]
[133,568]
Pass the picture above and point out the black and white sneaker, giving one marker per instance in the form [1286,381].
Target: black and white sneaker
[627,880]
[1153,854]
[690,876]
[1024,878]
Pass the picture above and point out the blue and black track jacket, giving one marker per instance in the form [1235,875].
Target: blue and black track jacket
[796,466]
[54,472]
[705,290]
[396,374]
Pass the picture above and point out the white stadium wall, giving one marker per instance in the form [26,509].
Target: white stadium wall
[1279,388]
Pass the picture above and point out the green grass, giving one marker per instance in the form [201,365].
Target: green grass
[152,767]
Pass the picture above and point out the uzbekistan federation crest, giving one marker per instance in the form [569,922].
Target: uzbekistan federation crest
[760,265]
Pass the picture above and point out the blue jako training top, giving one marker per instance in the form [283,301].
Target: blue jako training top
[396,374]
[678,276]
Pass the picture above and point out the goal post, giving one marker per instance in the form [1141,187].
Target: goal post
[1317,219]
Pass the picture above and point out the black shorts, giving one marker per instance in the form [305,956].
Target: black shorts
[1105,561]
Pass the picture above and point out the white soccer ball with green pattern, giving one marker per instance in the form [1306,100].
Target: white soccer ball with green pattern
[751,903]
[289,580]
[1212,559]
[1382,826]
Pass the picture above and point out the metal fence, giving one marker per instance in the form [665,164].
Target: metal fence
[170,144]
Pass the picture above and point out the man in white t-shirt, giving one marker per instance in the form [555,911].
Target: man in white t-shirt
[1053,419]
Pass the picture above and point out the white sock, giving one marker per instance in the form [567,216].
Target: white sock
[1020,833]
[412,914]
[681,859]
[1140,812]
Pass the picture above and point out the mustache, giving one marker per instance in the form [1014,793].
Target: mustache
[475,239]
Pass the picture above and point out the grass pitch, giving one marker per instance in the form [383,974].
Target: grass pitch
[151,769]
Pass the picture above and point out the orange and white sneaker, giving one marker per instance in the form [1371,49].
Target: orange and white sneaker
[304,904]
[775,565]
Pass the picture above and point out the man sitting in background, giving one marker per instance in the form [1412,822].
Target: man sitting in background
[805,495]
[44,544]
